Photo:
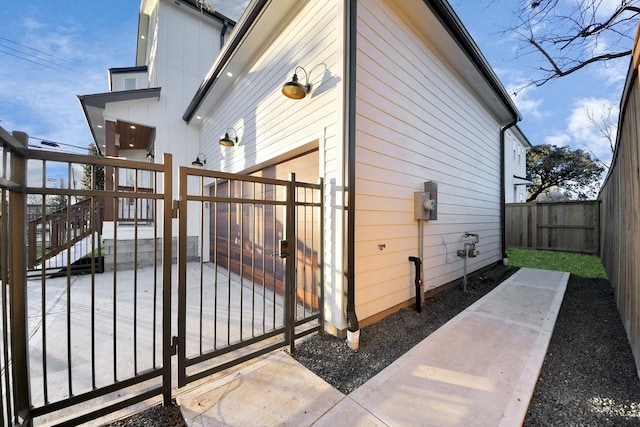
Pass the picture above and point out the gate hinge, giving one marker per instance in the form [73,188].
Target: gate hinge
[174,346]
[175,208]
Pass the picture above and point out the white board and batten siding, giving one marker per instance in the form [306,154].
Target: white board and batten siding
[417,121]
[272,128]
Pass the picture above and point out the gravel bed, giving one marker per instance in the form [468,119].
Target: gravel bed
[156,416]
[588,377]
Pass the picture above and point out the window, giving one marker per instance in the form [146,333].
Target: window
[129,84]
[519,154]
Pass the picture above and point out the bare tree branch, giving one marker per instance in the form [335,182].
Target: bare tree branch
[572,35]
[603,124]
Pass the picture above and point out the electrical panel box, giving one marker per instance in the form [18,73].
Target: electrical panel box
[425,203]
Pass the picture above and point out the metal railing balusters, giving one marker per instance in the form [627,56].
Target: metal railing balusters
[115,283]
[69,357]
[241,250]
[215,267]
[229,255]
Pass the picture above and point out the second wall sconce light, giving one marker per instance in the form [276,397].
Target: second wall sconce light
[200,160]
[227,141]
[294,89]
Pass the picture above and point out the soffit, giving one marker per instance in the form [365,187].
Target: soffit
[251,35]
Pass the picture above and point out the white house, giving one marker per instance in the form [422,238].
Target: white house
[399,95]
[516,182]
[140,118]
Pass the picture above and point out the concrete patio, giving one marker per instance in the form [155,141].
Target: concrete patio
[478,369]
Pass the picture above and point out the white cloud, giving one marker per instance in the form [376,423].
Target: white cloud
[581,133]
[558,139]
[606,8]
[527,103]
[587,135]
[613,72]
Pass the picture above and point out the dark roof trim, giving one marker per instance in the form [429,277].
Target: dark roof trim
[524,180]
[196,5]
[629,84]
[440,8]
[128,69]
[99,100]
[254,10]
[448,18]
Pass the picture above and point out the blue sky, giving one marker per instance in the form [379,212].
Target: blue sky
[52,51]
[555,112]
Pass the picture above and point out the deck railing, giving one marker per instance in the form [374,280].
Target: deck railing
[135,209]
[57,231]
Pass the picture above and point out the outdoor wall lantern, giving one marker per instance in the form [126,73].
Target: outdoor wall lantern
[200,160]
[227,141]
[294,89]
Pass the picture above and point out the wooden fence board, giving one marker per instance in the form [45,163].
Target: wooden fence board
[562,226]
[620,198]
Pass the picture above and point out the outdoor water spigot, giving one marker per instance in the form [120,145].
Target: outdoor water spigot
[475,235]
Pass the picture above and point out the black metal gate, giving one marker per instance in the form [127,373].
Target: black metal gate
[258,283]
[77,347]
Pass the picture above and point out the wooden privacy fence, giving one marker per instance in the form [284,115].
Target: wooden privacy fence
[620,196]
[561,226]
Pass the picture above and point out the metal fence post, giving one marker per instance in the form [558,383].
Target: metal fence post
[167,240]
[18,282]
[290,272]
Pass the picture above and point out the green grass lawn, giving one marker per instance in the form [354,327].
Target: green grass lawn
[578,264]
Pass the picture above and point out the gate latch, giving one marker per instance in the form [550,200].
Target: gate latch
[175,208]
[174,346]
[284,249]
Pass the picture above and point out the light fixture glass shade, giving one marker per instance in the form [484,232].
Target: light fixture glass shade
[200,160]
[294,89]
[226,141]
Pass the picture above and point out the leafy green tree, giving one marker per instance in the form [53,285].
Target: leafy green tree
[573,171]
[98,172]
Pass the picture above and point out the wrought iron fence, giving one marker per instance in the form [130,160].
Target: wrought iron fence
[76,347]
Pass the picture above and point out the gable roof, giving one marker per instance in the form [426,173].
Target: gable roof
[201,6]
[453,25]
[263,16]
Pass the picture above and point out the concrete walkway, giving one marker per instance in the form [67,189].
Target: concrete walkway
[479,369]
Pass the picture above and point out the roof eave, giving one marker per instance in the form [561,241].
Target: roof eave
[450,21]
[239,32]
[99,101]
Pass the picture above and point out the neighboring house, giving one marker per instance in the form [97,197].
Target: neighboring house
[553,195]
[516,182]
[140,117]
[400,95]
